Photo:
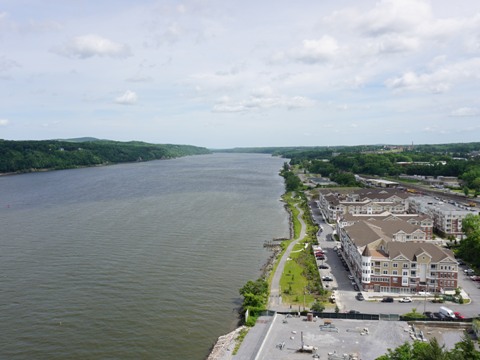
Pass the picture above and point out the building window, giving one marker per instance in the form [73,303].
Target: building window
[433,266]
[385,272]
[385,264]
[395,265]
[405,266]
[413,265]
[394,272]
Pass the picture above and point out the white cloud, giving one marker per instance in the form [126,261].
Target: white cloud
[7,64]
[465,111]
[394,43]
[128,98]
[87,46]
[260,99]
[4,122]
[315,51]
[393,16]
[439,80]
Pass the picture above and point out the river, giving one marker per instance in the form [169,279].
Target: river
[133,261]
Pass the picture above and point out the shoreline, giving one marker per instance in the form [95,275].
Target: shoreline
[225,344]
[222,349]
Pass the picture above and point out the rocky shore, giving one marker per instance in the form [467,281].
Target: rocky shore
[223,348]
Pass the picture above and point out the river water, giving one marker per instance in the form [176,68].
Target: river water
[133,261]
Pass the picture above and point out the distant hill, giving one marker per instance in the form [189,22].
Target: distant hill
[27,156]
[80,139]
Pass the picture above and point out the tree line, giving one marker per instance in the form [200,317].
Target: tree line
[340,164]
[431,350]
[27,156]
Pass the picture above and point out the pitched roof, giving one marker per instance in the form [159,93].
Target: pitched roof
[362,234]
[411,250]
[366,251]
[392,227]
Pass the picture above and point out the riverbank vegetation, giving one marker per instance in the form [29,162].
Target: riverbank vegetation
[28,156]
[255,297]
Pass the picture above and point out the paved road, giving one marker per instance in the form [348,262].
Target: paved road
[275,301]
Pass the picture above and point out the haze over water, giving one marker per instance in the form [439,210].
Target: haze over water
[136,260]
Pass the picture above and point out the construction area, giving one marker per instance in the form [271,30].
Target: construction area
[305,337]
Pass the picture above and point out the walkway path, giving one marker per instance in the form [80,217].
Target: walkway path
[275,300]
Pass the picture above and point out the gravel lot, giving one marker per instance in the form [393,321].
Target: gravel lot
[348,340]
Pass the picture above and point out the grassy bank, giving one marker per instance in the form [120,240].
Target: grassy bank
[300,281]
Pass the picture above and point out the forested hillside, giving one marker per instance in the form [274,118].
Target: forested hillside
[26,156]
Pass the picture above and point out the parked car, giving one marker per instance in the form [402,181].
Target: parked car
[424,293]
[458,315]
[354,312]
[322,266]
[387,299]
[351,277]
[321,257]
[469,271]
[406,300]
[448,313]
[360,297]
[355,287]
[327,278]
[429,314]
[438,316]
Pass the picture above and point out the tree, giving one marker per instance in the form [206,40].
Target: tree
[465,349]
[432,350]
[258,287]
[469,248]
[317,307]
[402,352]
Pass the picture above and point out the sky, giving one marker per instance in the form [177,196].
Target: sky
[224,74]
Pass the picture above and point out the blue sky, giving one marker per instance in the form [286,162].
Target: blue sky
[224,74]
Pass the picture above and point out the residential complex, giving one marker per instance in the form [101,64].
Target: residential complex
[387,238]
[364,201]
[384,257]
[447,216]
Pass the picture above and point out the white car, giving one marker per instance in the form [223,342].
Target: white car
[406,300]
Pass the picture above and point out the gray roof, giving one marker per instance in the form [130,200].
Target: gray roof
[411,250]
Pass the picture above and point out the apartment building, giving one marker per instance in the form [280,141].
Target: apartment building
[363,201]
[447,217]
[424,222]
[395,258]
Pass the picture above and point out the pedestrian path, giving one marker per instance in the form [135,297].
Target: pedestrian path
[275,300]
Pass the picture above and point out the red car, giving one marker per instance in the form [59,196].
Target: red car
[458,315]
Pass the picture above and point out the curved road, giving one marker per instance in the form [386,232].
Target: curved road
[275,300]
